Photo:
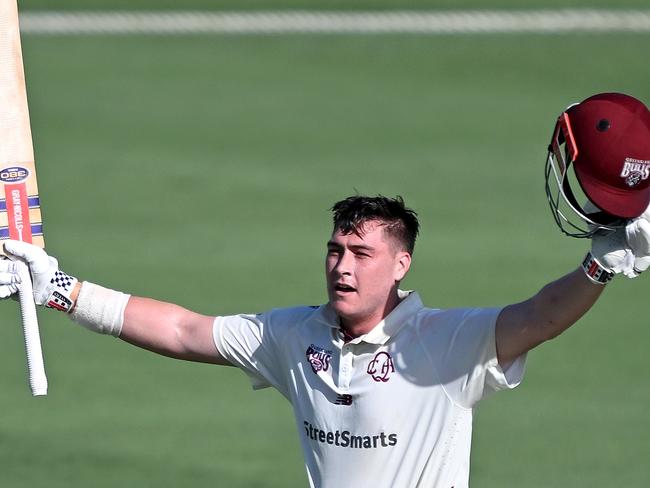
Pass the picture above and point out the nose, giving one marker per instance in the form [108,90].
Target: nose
[344,263]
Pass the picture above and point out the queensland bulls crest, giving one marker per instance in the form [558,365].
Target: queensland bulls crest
[634,171]
[318,358]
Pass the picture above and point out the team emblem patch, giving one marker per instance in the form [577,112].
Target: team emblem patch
[381,367]
[634,171]
[318,358]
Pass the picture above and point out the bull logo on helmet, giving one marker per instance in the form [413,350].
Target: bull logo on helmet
[634,171]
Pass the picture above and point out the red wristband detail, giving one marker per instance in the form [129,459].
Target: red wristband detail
[595,271]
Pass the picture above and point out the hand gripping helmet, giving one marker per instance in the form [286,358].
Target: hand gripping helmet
[603,143]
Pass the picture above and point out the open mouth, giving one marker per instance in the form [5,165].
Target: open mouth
[343,288]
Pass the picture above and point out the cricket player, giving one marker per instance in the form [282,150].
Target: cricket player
[382,387]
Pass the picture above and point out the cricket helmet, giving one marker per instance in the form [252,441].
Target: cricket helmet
[600,154]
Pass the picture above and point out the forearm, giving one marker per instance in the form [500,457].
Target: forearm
[561,303]
[555,308]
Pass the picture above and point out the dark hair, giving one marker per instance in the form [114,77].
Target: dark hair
[400,222]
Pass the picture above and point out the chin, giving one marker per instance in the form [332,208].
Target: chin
[342,309]
[346,312]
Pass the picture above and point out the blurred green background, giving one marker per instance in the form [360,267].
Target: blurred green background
[319,4]
[200,170]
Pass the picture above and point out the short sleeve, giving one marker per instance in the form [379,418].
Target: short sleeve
[465,357]
[248,343]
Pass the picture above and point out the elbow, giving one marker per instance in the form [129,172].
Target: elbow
[550,330]
[182,333]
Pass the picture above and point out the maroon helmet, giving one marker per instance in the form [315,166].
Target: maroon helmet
[606,138]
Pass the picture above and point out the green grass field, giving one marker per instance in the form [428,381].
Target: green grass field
[200,170]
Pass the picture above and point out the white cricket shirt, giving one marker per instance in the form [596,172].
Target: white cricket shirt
[391,408]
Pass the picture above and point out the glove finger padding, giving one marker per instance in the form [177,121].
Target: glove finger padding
[8,290]
[640,265]
[8,272]
[35,257]
[637,234]
[9,278]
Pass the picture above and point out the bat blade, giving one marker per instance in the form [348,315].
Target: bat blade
[20,212]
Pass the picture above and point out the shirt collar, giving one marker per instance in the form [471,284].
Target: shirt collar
[391,324]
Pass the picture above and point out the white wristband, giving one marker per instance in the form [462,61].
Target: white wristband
[62,286]
[595,271]
[100,309]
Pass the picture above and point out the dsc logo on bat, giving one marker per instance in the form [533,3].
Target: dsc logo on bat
[14,174]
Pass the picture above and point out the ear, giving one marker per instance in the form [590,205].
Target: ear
[402,265]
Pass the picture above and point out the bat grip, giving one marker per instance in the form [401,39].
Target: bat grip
[35,364]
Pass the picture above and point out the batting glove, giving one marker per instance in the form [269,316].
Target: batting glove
[625,251]
[52,287]
[9,278]
[637,234]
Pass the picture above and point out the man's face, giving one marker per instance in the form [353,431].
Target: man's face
[362,273]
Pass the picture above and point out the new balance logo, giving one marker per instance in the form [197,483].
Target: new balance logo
[344,400]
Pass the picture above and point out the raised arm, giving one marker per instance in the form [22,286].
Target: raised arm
[522,326]
[157,326]
[170,330]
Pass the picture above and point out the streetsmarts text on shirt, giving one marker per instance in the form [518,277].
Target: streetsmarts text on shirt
[347,439]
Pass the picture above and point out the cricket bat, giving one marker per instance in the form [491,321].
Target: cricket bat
[20,212]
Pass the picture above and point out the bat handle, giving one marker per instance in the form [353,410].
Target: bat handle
[35,364]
